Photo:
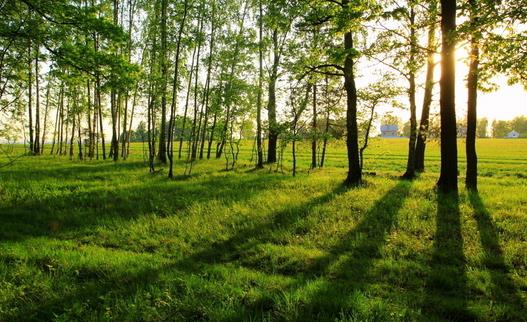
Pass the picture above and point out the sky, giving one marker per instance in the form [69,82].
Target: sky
[507,102]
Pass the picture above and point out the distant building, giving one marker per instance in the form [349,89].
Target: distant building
[513,135]
[389,131]
[461,131]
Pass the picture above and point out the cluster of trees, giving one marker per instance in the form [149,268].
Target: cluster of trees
[501,128]
[484,128]
[199,73]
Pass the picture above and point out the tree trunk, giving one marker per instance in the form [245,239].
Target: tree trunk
[193,135]
[410,166]
[314,130]
[162,153]
[259,162]
[449,168]
[271,102]
[428,92]
[57,119]
[187,101]
[174,95]
[30,98]
[46,111]
[37,104]
[471,180]
[354,177]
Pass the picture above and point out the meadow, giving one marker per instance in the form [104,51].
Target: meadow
[98,240]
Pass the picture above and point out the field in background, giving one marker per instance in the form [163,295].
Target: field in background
[94,240]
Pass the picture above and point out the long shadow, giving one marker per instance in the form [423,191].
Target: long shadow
[229,250]
[56,212]
[232,248]
[503,291]
[446,286]
[348,264]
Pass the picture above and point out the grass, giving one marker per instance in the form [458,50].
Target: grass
[96,240]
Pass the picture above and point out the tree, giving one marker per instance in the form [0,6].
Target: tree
[482,126]
[345,18]
[420,145]
[449,168]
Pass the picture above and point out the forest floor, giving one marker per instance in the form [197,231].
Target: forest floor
[97,240]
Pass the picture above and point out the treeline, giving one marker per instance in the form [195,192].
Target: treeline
[80,73]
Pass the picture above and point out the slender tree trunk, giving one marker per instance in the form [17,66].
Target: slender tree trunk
[354,177]
[91,126]
[428,92]
[325,141]
[79,134]
[187,102]
[212,131]
[410,166]
[259,161]
[30,98]
[37,104]
[57,119]
[193,135]
[46,111]
[314,130]
[71,114]
[271,102]
[449,168]
[174,94]
[61,127]
[471,180]
[129,132]
[366,137]
[162,153]
[208,81]
[326,129]
[99,109]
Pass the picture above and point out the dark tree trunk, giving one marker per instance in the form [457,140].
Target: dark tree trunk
[37,105]
[99,109]
[79,134]
[187,101]
[207,86]
[193,135]
[46,111]
[449,168]
[174,95]
[162,153]
[354,177]
[212,131]
[314,130]
[471,180]
[259,162]
[410,166]
[271,102]
[30,98]
[57,119]
[420,146]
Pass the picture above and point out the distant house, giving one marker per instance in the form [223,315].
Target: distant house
[389,131]
[513,135]
[461,131]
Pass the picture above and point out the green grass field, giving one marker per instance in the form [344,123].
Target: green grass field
[97,240]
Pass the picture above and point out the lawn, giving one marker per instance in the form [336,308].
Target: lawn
[97,240]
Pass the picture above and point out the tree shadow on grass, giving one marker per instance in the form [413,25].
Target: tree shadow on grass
[503,291]
[68,207]
[347,267]
[233,248]
[94,286]
[446,287]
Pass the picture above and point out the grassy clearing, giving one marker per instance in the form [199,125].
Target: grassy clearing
[96,240]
